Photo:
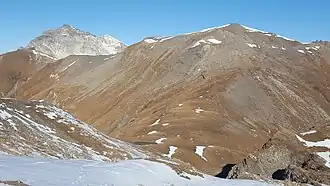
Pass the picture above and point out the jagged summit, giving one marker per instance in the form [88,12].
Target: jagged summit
[67,26]
[65,29]
[68,40]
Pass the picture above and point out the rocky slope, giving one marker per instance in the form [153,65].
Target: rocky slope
[68,40]
[17,66]
[284,157]
[209,98]
[35,128]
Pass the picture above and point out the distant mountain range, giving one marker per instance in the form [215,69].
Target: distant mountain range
[230,101]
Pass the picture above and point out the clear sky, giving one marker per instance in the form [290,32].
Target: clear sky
[132,20]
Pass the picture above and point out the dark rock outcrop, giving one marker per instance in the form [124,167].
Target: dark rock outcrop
[283,158]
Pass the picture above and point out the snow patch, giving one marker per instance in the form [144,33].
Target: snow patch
[50,115]
[198,43]
[215,41]
[12,124]
[325,156]
[301,51]
[208,41]
[252,29]
[43,54]
[200,151]
[162,39]
[55,76]
[199,110]
[210,29]
[40,106]
[180,105]
[5,115]
[152,132]
[286,38]
[207,29]
[266,33]
[165,124]
[323,143]
[252,45]
[157,39]
[314,48]
[159,141]
[156,122]
[172,150]
[308,132]
[65,68]
[150,40]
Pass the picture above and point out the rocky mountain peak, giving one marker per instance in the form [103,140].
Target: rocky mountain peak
[68,40]
[67,26]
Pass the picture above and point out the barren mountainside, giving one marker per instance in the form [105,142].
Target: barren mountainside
[16,67]
[210,98]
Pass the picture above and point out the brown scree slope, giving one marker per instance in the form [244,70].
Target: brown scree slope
[17,66]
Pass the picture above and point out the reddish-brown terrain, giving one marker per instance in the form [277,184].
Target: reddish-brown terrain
[213,96]
[17,67]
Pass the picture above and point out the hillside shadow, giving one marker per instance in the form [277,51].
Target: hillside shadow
[225,171]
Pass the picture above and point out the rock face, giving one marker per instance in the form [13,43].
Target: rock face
[67,40]
[283,158]
[208,98]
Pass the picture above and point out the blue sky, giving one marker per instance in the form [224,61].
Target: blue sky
[132,20]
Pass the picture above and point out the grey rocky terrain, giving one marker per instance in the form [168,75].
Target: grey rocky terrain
[68,40]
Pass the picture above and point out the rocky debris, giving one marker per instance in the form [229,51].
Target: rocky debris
[14,183]
[283,158]
[300,175]
[68,40]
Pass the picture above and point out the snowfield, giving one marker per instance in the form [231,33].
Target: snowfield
[42,172]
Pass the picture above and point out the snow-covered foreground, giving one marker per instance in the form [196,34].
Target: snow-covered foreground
[42,171]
